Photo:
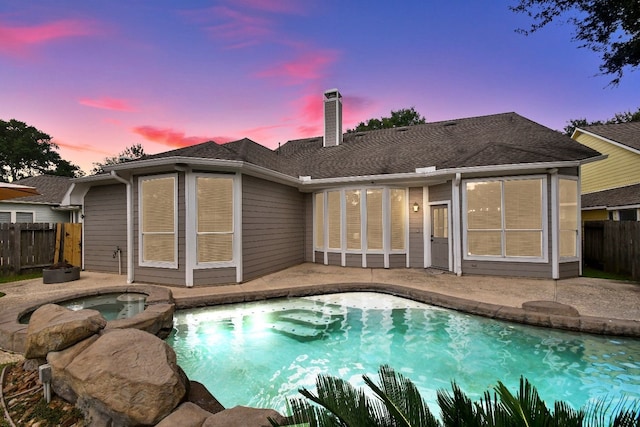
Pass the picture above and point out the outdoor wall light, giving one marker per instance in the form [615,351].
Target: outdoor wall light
[416,207]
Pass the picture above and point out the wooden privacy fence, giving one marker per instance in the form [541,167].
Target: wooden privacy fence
[613,246]
[25,246]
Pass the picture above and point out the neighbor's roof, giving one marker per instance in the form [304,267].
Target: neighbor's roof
[52,189]
[501,139]
[623,133]
[621,196]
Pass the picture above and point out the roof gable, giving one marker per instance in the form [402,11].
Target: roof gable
[626,134]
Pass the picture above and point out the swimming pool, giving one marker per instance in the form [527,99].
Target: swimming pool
[259,354]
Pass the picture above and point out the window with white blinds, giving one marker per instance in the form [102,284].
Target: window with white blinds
[333,219]
[569,217]
[398,219]
[374,219]
[504,218]
[214,230]
[319,221]
[353,221]
[361,220]
[158,218]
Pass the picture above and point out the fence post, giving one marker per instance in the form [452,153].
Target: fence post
[16,255]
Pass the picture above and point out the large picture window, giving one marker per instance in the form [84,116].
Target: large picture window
[158,221]
[214,219]
[504,218]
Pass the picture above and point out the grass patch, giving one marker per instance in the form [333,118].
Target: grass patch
[17,278]
[599,274]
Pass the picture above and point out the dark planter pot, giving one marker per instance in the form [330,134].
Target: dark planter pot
[60,275]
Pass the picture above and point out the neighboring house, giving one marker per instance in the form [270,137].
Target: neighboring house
[491,195]
[611,187]
[45,207]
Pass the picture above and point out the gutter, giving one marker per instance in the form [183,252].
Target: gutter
[127,183]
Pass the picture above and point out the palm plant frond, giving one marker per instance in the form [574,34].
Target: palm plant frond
[526,408]
[621,414]
[402,400]
[457,409]
[345,403]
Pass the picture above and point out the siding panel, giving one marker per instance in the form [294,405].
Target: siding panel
[416,229]
[618,170]
[273,227]
[105,228]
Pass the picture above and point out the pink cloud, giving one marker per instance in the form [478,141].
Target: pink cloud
[80,148]
[18,39]
[107,103]
[310,66]
[175,138]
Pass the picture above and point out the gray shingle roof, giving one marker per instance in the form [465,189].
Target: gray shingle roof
[500,139]
[621,196]
[244,150]
[624,133]
[51,188]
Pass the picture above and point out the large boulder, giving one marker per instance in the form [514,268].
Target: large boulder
[128,376]
[54,328]
[59,360]
[187,415]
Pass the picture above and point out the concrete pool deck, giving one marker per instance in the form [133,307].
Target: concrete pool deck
[603,306]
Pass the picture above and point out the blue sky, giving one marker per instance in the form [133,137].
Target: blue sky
[102,76]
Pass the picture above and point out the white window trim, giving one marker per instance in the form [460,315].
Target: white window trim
[158,264]
[545,223]
[578,255]
[237,200]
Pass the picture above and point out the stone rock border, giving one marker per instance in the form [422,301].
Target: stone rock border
[13,333]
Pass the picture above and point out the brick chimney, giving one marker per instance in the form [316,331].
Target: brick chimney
[332,118]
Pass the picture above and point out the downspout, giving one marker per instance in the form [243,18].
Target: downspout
[129,225]
[457,234]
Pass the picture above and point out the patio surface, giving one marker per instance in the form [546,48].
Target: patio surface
[603,306]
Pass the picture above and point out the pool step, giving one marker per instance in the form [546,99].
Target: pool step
[304,324]
[312,318]
[297,331]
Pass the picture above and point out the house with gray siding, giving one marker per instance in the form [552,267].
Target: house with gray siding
[492,195]
[44,207]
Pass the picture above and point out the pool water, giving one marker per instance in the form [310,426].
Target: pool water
[259,354]
[112,306]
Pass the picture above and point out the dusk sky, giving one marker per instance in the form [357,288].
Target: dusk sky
[100,76]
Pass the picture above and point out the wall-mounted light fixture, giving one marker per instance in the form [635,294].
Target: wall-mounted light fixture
[416,207]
